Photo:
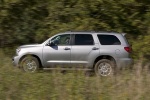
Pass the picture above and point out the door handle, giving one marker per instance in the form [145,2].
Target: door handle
[66,48]
[95,48]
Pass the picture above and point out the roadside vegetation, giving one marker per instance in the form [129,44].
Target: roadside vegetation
[26,21]
[73,85]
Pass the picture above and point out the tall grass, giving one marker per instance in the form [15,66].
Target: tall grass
[73,85]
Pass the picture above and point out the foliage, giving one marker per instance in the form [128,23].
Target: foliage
[142,48]
[72,85]
[26,21]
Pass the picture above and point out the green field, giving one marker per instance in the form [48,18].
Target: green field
[72,85]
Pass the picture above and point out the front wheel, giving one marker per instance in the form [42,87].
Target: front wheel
[29,64]
[104,67]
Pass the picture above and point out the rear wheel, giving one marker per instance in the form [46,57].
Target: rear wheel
[104,67]
[29,64]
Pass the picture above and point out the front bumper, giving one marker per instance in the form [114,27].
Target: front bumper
[15,60]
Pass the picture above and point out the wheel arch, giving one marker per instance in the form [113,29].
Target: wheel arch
[33,56]
[104,57]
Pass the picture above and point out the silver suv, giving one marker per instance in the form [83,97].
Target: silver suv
[98,51]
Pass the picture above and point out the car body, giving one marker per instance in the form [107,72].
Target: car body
[78,50]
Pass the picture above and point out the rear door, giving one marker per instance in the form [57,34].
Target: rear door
[84,50]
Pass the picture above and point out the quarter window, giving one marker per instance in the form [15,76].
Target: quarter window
[84,39]
[109,40]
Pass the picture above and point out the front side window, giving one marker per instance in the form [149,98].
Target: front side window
[61,39]
[84,39]
[109,40]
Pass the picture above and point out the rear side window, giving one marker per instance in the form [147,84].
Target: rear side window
[109,40]
[84,39]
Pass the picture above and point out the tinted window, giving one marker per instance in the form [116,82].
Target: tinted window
[108,40]
[83,39]
[61,39]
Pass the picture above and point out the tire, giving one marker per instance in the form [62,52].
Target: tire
[104,67]
[30,64]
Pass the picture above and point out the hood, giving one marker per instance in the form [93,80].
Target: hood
[30,45]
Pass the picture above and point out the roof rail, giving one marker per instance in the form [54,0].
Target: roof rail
[80,31]
[94,31]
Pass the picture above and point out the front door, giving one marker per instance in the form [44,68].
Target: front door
[59,52]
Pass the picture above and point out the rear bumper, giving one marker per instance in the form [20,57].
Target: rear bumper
[15,60]
[125,62]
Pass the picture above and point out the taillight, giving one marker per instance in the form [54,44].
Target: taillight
[128,49]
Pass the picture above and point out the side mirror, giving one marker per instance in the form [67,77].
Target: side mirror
[50,43]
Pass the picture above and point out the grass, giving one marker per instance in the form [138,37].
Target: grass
[73,85]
